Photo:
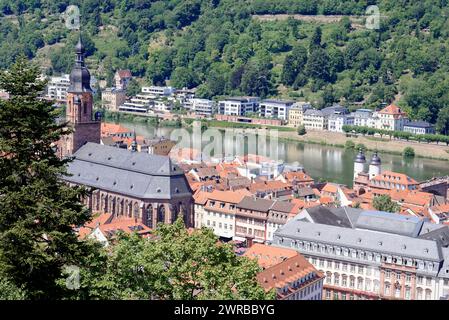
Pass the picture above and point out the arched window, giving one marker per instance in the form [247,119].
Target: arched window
[174,213]
[97,201]
[129,209]
[113,207]
[161,214]
[428,294]
[149,216]
[419,295]
[136,210]
[104,203]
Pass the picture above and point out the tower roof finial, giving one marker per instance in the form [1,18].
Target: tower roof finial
[134,143]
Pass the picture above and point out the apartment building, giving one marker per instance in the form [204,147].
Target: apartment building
[371,254]
[391,118]
[314,119]
[57,88]
[159,91]
[277,109]
[296,113]
[364,118]
[202,106]
[238,106]
[122,79]
[217,209]
[112,98]
[419,127]
[337,121]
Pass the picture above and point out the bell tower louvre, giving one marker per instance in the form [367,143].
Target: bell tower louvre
[79,113]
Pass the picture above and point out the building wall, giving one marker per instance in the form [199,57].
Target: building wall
[80,120]
[148,211]
[312,122]
[368,276]
[112,100]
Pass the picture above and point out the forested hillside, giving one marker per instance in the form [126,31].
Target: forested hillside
[223,48]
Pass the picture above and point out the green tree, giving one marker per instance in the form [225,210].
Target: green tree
[183,77]
[38,210]
[349,144]
[442,125]
[133,88]
[301,130]
[315,40]
[293,65]
[384,203]
[256,80]
[317,66]
[177,264]
[408,152]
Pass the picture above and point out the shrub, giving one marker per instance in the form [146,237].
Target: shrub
[301,130]
[349,144]
[360,146]
[408,152]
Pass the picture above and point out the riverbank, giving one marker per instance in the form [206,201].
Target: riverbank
[422,150]
[327,138]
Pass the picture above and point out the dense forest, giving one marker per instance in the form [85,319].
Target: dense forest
[223,48]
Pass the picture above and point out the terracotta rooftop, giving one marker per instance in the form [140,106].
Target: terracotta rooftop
[268,256]
[395,177]
[286,272]
[392,110]
[298,176]
[273,185]
[124,74]
[329,187]
[228,196]
[112,128]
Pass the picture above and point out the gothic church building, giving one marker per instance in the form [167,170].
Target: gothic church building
[125,183]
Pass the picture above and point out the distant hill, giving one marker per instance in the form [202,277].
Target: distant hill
[224,47]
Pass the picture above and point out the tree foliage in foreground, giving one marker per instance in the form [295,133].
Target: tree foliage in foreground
[37,210]
[176,264]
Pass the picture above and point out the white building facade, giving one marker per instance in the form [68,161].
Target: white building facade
[276,109]
[238,106]
[371,255]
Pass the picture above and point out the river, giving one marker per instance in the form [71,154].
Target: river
[330,163]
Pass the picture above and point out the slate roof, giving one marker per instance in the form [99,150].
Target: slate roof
[324,215]
[418,124]
[371,230]
[389,222]
[134,174]
[255,204]
[282,206]
[366,240]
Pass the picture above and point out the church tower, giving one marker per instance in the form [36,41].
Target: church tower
[374,166]
[359,163]
[79,112]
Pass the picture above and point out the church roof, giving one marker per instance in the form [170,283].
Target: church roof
[135,174]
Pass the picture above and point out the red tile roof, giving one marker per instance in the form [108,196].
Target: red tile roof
[395,177]
[108,129]
[392,110]
[268,256]
[287,271]
[124,74]
[298,176]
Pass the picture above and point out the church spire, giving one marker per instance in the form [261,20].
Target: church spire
[80,75]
